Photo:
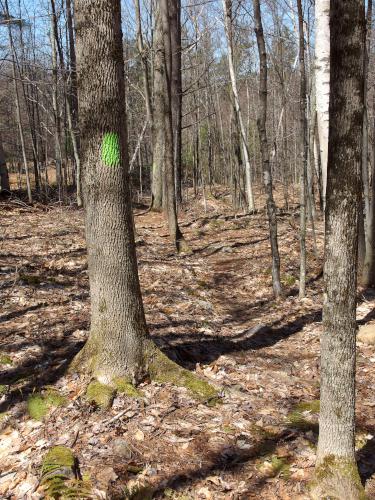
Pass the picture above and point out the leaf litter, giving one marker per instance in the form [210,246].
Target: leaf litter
[213,312]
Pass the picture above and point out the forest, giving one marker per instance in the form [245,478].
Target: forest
[187,249]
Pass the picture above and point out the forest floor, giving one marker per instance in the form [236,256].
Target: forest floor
[212,311]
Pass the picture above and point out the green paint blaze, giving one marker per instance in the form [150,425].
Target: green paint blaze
[111,156]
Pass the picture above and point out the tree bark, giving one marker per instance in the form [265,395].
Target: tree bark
[322,81]
[176,91]
[227,7]
[118,333]
[304,150]
[4,176]
[158,113]
[169,167]
[368,275]
[267,172]
[336,472]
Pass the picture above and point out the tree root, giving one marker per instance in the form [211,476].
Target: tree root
[156,365]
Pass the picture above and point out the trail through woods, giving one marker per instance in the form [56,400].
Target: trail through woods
[212,311]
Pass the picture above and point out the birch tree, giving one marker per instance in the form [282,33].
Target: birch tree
[322,80]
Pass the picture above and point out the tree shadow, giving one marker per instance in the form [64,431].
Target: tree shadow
[207,348]
[41,370]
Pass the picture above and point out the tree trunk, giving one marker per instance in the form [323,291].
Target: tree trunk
[367,277]
[158,113]
[267,172]
[119,345]
[304,150]
[17,104]
[337,473]
[169,169]
[227,7]
[4,176]
[322,79]
[118,334]
[176,91]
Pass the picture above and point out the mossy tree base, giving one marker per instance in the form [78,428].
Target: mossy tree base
[156,365]
[337,479]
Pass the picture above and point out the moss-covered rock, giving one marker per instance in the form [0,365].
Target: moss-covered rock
[39,404]
[163,370]
[100,394]
[59,475]
[124,386]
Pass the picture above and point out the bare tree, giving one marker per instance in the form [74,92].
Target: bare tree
[267,173]
[227,7]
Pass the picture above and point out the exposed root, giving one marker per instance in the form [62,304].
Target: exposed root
[163,370]
[156,365]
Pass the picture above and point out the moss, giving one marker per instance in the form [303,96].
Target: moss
[124,386]
[336,478]
[5,360]
[53,398]
[288,279]
[312,406]
[280,467]
[58,475]
[37,407]
[163,370]
[3,416]
[58,456]
[298,419]
[175,495]
[100,394]
[39,404]
[3,389]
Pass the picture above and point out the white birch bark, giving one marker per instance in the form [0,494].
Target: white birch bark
[322,81]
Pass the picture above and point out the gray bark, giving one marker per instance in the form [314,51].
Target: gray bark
[337,474]
[267,172]
[118,333]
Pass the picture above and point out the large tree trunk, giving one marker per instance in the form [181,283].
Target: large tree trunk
[227,7]
[337,473]
[119,344]
[322,79]
[118,334]
[267,172]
